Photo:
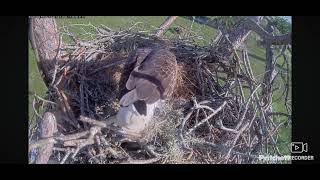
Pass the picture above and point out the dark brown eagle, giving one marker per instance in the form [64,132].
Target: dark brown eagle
[153,77]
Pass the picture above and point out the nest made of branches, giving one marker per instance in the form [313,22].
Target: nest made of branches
[208,119]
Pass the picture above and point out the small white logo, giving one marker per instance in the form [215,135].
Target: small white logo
[299,147]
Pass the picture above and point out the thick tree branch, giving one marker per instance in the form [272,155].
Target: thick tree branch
[165,25]
[268,38]
[236,36]
[48,128]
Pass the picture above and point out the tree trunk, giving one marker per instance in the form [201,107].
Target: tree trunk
[45,42]
[165,25]
[44,38]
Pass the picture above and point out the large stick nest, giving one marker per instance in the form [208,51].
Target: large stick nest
[208,119]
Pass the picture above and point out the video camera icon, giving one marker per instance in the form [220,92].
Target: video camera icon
[299,147]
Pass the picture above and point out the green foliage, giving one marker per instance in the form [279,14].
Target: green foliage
[282,25]
[227,21]
[230,21]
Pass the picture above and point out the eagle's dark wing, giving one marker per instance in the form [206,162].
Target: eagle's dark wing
[153,78]
[161,69]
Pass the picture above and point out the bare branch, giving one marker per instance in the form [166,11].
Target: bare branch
[275,40]
[214,112]
[165,25]
[148,161]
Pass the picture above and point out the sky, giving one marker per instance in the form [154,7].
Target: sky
[288,18]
